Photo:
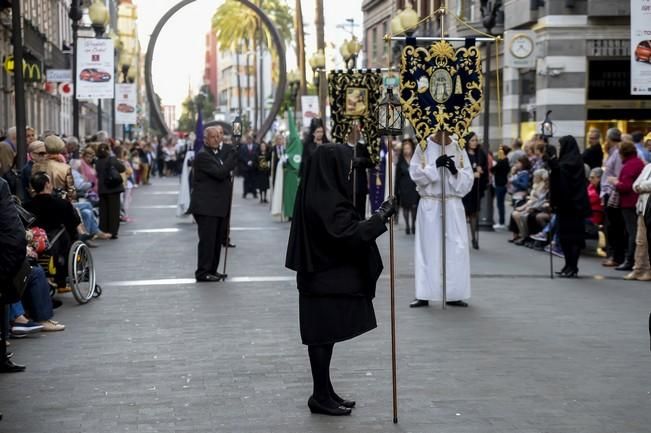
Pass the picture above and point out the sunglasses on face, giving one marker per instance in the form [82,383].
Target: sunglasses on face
[40,153]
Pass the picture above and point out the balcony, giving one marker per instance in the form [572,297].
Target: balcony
[608,8]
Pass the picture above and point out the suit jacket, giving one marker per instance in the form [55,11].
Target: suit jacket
[246,156]
[60,174]
[211,181]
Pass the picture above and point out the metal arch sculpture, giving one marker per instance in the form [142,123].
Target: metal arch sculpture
[277,41]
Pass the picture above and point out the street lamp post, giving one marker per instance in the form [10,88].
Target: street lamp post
[99,16]
[294,80]
[75,15]
[317,62]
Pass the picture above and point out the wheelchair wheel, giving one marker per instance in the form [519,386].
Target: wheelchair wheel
[81,272]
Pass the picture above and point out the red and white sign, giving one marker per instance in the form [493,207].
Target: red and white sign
[65,89]
[95,68]
[125,104]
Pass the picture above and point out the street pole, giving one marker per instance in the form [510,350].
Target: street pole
[17,40]
[300,53]
[75,15]
[486,208]
[320,45]
[99,114]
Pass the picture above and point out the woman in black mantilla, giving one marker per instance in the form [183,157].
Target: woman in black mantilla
[315,137]
[472,200]
[569,199]
[405,188]
[337,262]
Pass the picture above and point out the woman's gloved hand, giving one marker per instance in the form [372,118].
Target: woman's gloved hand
[387,209]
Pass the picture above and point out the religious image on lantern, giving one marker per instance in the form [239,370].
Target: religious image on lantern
[356,101]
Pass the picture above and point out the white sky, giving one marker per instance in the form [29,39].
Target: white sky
[179,55]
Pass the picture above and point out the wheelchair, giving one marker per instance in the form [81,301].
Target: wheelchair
[80,267]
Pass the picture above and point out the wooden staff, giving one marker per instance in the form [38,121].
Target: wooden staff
[392,287]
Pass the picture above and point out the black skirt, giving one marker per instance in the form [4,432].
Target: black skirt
[334,305]
[331,319]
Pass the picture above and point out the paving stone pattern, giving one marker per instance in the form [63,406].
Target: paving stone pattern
[530,355]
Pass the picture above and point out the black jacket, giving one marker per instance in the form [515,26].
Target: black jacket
[13,245]
[101,166]
[53,212]
[211,181]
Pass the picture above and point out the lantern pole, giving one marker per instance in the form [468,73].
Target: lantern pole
[237,134]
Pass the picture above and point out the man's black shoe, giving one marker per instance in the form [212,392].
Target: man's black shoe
[418,303]
[9,367]
[229,245]
[626,266]
[457,304]
[210,278]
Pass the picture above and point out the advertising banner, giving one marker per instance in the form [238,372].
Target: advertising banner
[310,106]
[95,69]
[125,104]
[640,47]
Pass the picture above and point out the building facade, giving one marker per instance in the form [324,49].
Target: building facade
[581,71]
[210,71]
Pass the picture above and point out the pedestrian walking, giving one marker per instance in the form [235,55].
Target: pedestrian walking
[425,169]
[642,268]
[333,251]
[263,171]
[569,200]
[405,189]
[210,200]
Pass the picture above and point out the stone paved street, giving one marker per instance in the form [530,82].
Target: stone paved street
[160,353]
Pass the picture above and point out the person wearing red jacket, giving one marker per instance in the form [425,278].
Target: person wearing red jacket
[632,166]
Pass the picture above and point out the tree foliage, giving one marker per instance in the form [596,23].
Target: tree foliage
[205,101]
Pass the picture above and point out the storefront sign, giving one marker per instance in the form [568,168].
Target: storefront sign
[59,75]
[125,104]
[95,69]
[310,106]
[640,47]
[31,69]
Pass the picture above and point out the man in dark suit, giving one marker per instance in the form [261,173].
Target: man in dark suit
[210,200]
[249,153]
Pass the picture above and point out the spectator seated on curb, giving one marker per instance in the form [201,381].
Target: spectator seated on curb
[519,181]
[535,212]
[37,302]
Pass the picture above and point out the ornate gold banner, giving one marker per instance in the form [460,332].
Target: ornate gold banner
[441,89]
[354,97]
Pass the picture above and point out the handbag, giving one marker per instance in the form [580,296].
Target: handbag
[613,199]
[12,289]
[112,178]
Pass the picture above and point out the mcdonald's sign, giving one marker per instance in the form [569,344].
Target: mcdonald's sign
[31,70]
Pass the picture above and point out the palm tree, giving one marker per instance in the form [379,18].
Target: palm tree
[237,26]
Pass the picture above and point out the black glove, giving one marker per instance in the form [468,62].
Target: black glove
[387,209]
[447,162]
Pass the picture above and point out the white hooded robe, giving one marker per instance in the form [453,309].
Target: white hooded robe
[427,258]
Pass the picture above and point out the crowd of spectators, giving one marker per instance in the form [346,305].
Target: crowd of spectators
[617,182]
[66,190]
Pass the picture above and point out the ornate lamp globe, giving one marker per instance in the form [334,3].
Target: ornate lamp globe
[409,19]
[237,128]
[547,127]
[343,50]
[99,17]
[319,59]
[390,119]
[396,24]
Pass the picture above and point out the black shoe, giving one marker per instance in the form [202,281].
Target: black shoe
[475,244]
[562,271]
[569,274]
[626,266]
[210,278]
[463,304]
[316,407]
[408,231]
[9,367]
[340,401]
[418,303]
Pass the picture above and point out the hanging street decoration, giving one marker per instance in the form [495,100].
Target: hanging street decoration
[354,98]
[441,88]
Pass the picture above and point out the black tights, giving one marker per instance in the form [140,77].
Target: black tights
[320,356]
[571,251]
[473,219]
[409,214]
